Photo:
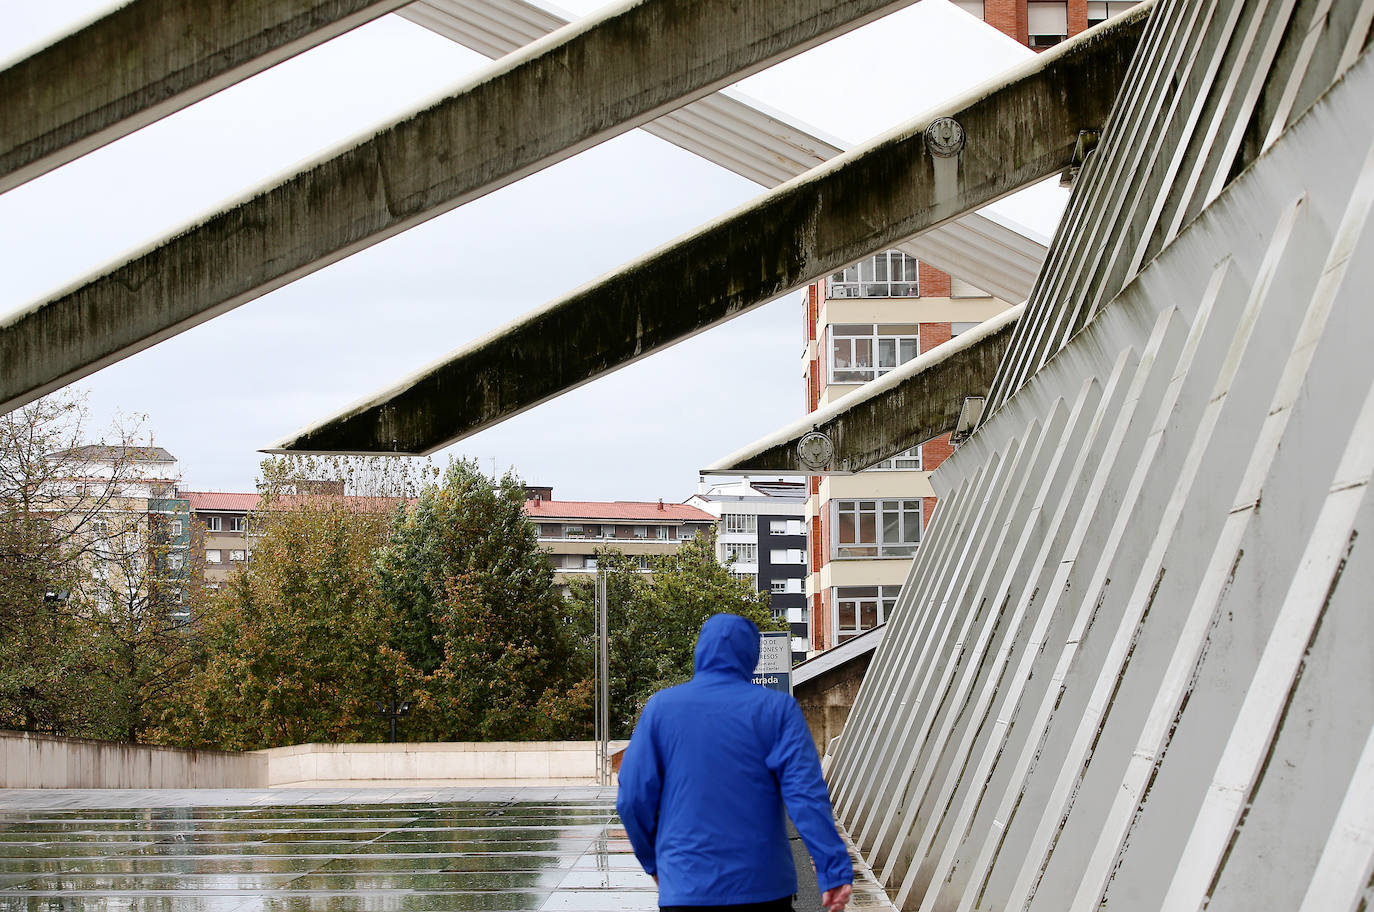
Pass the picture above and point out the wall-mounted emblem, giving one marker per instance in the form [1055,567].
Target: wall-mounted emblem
[815,451]
[945,137]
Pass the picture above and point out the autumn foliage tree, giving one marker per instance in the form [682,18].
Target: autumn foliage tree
[296,646]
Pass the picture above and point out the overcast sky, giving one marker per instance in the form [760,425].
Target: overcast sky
[216,394]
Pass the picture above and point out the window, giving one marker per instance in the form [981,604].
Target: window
[787,556]
[176,528]
[643,562]
[641,531]
[905,461]
[958,329]
[972,7]
[785,526]
[212,524]
[1100,12]
[742,552]
[550,530]
[236,555]
[238,524]
[877,528]
[572,531]
[589,562]
[174,561]
[213,556]
[777,586]
[741,523]
[859,352]
[661,533]
[860,608]
[887,275]
[751,578]
[1048,23]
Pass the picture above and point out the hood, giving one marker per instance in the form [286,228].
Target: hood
[728,643]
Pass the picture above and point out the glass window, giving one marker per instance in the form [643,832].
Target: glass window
[1100,12]
[176,528]
[742,552]
[905,461]
[852,348]
[860,608]
[238,523]
[212,524]
[891,274]
[236,555]
[213,556]
[741,523]
[777,586]
[877,528]
[1048,22]
[174,561]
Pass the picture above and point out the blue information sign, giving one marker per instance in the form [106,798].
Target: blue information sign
[775,661]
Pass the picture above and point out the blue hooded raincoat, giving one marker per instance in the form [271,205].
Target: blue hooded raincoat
[705,778]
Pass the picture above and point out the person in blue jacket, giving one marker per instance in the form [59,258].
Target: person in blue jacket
[705,779]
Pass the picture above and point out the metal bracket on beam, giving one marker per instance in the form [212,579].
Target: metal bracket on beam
[1086,144]
[935,393]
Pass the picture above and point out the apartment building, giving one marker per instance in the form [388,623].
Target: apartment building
[227,519]
[1040,24]
[139,527]
[572,531]
[762,534]
[862,322]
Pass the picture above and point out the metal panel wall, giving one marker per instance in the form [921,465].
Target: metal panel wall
[1133,666]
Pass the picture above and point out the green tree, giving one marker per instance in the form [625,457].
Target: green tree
[476,616]
[653,619]
[296,644]
[64,530]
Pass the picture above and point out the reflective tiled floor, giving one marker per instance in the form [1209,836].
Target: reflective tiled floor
[468,849]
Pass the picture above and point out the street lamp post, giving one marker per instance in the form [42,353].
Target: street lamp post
[393,712]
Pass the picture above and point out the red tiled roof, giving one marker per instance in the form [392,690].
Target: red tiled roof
[636,511]
[221,500]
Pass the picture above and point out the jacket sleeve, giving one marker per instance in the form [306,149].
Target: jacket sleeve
[794,762]
[641,784]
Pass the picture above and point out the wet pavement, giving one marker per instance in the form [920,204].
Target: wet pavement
[493,850]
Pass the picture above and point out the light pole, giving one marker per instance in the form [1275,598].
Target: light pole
[393,712]
[601,695]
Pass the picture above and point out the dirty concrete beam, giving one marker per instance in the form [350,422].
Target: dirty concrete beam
[755,144]
[146,60]
[585,83]
[915,403]
[1018,130]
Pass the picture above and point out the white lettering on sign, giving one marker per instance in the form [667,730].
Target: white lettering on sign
[775,661]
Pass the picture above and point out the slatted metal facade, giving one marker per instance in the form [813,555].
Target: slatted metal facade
[1133,665]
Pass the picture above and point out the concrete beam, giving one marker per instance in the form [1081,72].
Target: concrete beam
[146,60]
[1018,130]
[583,84]
[915,403]
[755,144]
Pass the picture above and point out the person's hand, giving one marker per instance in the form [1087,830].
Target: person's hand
[655,877]
[835,898]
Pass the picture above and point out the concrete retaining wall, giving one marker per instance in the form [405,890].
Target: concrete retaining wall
[43,761]
[428,763]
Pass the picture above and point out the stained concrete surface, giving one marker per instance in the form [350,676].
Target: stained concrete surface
[240,850]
